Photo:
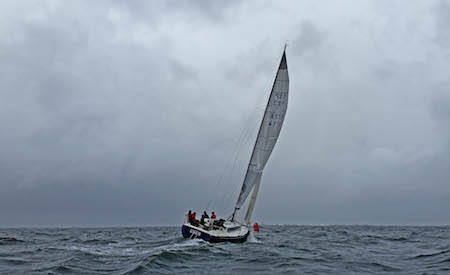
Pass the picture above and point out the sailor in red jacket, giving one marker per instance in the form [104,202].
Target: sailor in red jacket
[213,216]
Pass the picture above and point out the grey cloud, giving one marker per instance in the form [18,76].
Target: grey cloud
[442,10]
[204,11]
[440,111]
[111,112]
[309,38]
[440,103]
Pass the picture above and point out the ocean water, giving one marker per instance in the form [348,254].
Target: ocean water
[275,249]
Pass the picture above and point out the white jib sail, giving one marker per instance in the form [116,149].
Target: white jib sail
[267,135]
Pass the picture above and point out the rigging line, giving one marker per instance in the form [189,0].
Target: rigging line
[246,137]
[260,127]
[245,142]
[249,137]
[237,148]
[230,158]
[241,142]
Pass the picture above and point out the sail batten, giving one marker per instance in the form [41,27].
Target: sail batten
[268,134]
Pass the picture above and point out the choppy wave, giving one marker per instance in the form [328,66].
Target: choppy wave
[432,254]
[10,241]
[275,249]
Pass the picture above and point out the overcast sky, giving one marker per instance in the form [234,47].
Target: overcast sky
[127,112]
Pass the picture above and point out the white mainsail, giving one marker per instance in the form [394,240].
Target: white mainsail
[267,137]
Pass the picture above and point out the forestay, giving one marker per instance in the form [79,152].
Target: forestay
[268,133]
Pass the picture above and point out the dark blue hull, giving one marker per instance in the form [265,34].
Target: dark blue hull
[192,233]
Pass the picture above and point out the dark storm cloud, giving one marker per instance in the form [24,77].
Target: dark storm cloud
[85,109]
[126,112]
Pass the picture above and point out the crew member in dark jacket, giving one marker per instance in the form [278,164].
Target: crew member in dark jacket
[204,216]
[189,216]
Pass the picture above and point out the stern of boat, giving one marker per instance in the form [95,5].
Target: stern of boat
[192,232]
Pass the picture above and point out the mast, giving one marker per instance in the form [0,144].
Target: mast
[267,136]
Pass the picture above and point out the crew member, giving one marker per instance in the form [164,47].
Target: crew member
[189,216]
[194,220]
[204,216]
[213,216]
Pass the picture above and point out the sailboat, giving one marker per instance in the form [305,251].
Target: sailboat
[232,230]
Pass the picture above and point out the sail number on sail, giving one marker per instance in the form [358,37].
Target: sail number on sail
[280,99]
